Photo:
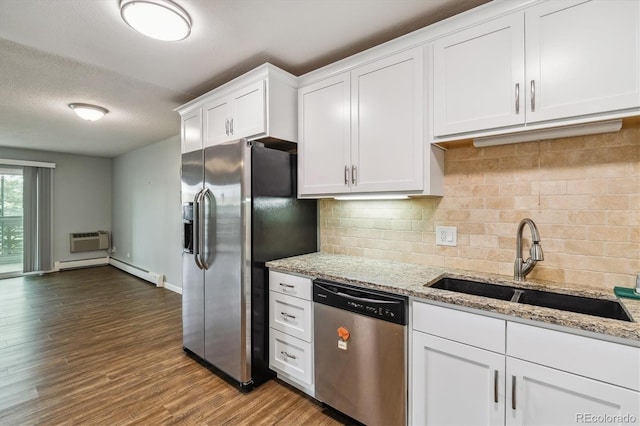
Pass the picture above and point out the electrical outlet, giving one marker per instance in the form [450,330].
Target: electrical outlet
[113,249]
[446,236]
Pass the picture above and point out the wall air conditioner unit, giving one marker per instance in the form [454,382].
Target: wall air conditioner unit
[89,241]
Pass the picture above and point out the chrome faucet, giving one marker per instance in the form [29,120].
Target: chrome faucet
[522,268]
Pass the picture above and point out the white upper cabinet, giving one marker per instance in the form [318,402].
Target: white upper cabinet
[191,130]
[324,132]
[216,118]
[479,77]
[249,112]
[238,115]
[258,104]
[387,124]
[362,131]
[582,63]
[583,57]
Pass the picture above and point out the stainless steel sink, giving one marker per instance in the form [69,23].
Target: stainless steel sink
[584,305]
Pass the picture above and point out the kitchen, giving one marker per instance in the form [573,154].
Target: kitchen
[582,192]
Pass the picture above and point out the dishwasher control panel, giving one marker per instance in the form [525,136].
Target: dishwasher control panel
[372,303]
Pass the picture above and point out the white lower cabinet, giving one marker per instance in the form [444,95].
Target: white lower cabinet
[291,330]
[290,315]
[291,356]
[456,384]
[539,395]
[556,378]
[460,375]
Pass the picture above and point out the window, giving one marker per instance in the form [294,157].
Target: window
[11,220]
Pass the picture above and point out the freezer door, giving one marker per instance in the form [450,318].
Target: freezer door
[192,275]
[227,259]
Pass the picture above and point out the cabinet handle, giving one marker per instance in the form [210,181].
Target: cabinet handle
[231,127]
[354,175]
[346,175]
[287,355]
[513,392]
[517,98]
[286,285]
[533,95]
[286,316]
[226,126]
[495,386]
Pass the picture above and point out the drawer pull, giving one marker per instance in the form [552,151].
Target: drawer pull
[288,355]
[286,285]
[286,316]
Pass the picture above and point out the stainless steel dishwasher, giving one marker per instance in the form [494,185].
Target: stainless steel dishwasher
[360,352]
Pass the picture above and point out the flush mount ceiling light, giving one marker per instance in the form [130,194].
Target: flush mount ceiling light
[159,19]
[88,112]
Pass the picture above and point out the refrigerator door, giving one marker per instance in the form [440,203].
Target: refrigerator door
[227,259]
[192,275]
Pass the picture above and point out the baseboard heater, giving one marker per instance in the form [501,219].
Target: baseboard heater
[152,277]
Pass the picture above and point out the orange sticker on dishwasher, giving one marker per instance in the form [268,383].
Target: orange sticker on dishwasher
[343,333]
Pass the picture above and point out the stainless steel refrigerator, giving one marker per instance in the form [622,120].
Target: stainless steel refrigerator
[239,211]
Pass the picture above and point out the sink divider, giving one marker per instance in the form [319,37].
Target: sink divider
[516,295]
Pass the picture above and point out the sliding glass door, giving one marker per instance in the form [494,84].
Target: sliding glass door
[11,220]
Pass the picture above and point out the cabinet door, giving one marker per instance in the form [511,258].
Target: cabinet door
[192,131]
[324,140]
[455,384]
[479,77]
[387,123]
[539,395]
[216,122]
[248,118]
[583,57]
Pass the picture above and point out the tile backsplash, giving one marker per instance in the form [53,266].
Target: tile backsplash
[583,193]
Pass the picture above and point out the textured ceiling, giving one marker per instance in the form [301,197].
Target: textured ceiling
[56,52]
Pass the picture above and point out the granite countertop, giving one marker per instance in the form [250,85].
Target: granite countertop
[414,280]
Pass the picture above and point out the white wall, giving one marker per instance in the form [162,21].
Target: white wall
[81,197]
[146,209]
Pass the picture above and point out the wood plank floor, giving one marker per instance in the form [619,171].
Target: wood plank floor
[100,347]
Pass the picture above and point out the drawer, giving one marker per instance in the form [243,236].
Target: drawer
[292,356]
[464,327]
[598,359]
[291,315]
[293,285]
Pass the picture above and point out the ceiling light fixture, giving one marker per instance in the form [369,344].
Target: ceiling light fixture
[88,112]
[159,19]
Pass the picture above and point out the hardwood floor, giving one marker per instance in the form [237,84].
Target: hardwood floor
[100,347]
